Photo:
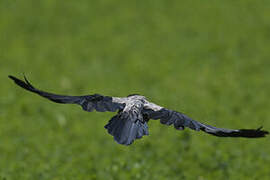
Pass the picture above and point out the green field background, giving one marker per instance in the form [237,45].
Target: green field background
[208,59]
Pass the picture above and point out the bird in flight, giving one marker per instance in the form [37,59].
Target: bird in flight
[134,111]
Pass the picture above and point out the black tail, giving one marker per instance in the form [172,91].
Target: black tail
[125,131]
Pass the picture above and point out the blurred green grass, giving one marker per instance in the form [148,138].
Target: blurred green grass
[207,59]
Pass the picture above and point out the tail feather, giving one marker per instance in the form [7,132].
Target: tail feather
[125,131]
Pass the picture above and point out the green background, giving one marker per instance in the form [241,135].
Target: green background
[208,59]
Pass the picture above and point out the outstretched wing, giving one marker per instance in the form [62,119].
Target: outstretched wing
[180,121]
[88,102]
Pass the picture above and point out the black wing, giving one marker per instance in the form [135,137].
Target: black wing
[88,102]
[180,121]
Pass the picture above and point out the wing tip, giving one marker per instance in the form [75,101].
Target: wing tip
[253,133]
[12,77]
[245,133]
[24,84]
